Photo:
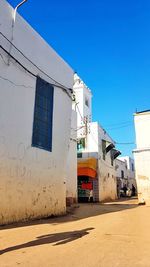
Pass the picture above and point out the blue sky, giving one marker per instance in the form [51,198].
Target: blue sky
[108,44]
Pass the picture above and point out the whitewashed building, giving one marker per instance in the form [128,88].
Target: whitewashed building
[35,122]
[125,168]
[142,155]
[96,150]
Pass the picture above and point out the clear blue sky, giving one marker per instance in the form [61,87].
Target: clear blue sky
[108,43]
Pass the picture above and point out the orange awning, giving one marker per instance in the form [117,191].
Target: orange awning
[87,163]
[85,171]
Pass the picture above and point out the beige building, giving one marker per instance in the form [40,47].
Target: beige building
[142,154]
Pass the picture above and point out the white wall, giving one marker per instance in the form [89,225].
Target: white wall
[71,176]
[142,163]
[129,162]
[107,172]
[142,155]
[121,165]
[32,180]
[125,164]
[142,129]
[82,92]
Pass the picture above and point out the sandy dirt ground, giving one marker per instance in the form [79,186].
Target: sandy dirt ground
[92,235]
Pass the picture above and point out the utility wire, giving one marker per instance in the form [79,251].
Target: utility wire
[120,127]
[31,73]
[77,128]
[79,112]
[128,143]
[33,63]
[117,124]
[59,85]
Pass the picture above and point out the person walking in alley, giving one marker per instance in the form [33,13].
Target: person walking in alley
[133,190]
[91,196]
[125,190]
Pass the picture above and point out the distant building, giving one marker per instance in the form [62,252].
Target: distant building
[96,150]
[142,154]
[35,122]
[125,172]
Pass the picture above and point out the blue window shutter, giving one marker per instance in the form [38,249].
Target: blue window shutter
[43,115]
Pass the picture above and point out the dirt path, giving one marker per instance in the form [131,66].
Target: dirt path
[110,235]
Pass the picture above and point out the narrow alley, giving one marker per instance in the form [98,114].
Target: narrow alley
[93,235]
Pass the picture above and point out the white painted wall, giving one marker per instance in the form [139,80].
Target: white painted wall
[71,176]
[142,163]
[121,165]
[142,155]
[142,129]
[107,172]
[125,164]
[129,162]
[32,180]
[82,92]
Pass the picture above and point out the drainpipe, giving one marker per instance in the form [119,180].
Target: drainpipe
[13,25]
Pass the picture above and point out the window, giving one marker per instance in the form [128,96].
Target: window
[79,155]
[104,149]
[132,167]
[86,102]
[43,115]
[81,144]
[112,157]
[122,174]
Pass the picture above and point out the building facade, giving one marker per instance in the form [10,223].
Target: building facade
[142,155]
[125,168]
[35,122]
[96,151]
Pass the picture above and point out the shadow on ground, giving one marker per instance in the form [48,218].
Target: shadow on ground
[79,212]
[57,239]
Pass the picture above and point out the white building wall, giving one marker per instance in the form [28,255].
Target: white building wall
[142,155]
[106,172]
[121,165]
[71,176]
[142,163]
[142,129]
[92,138]
[32,180]
[128,166]
[81,94]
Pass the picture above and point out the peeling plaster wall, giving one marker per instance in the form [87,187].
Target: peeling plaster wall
[106,173]
[32,181]
[107,182]
[142,165]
